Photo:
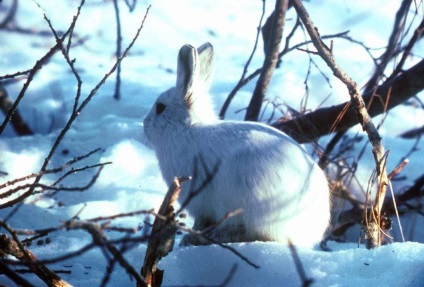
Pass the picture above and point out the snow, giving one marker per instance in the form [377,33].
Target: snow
[133,182]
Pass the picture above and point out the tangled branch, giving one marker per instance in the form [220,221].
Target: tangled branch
[373,228]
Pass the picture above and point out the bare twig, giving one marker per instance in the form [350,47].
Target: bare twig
[50,171]
[230,275]
[131,5]
[398,169]
[257,72]
[78,108]
[39,64]
[100,239]
[407,51]
[17,121]
[299,267]
[117,94]
[246,66]
[270,62]
[10,14]
[363,118]
[44,187]
[210,175]
[14,75]
[392,47]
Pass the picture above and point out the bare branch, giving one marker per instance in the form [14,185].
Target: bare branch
[10,14]
[117,94]
[270,62]
[392,47]
[80,108]
[362,115]
[17,121]
[162,237]
[49,171]
[15,248]
[391,93]
[100,239]
[243,75]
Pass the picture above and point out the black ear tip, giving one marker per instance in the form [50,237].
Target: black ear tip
[204,47]
[186,50]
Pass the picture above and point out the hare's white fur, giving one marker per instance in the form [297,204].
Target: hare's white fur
[282,192]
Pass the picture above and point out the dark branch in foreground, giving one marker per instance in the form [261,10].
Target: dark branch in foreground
[14,248]
[162,238]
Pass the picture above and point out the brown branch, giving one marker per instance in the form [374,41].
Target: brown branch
[162,237]
[14,248]
[270,61]
[373,238]
[309,127]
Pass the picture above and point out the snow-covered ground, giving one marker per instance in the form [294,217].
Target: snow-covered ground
[133,182]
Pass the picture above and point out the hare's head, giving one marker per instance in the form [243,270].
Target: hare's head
[188,103]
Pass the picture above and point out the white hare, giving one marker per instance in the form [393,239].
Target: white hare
[282,192]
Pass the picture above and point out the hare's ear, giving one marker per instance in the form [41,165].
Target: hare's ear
[195,68]
[194,76]
[206,65]
[187,70]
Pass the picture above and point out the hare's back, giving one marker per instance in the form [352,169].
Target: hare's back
[244,138]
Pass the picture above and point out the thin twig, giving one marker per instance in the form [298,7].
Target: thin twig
[117,94]
[246,66]
[50,171]
[93,92]
[32,186]
[392,46]
[18,123]
[100,239]
[299,267]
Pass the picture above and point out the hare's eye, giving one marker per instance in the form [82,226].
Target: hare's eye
[160,108]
